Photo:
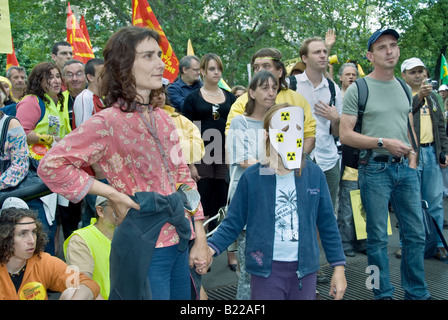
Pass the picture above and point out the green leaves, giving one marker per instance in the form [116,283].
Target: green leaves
[235,29]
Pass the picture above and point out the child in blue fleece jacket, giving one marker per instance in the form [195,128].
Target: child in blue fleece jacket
[283,211]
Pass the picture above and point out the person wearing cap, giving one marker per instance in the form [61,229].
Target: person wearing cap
[7,86]
[443,91]
[26,272]
[387,171]
[298,68]
[429,126]
[89,248]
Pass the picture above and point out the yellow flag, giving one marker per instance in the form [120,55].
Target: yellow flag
[190,51]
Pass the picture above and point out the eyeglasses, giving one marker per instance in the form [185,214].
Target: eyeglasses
[195,70]
[215,112]
[79,74]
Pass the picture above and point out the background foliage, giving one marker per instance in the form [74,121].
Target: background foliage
[235,29]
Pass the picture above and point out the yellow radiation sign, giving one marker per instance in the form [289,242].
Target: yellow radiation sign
[33,291]
[291,156]
[299,143]
[285,116]
[280,137]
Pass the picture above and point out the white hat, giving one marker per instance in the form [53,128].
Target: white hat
[443,87]
[411,64]
[13,202]
[100,200]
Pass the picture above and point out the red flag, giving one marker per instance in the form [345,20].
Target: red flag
[11,59]
[143,16]
[83,26]
[75,36]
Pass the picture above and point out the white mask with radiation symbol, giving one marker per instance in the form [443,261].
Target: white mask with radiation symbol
[286,135]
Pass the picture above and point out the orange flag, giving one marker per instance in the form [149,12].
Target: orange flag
[83,26]
[11,59]
[143,16]
[75,36]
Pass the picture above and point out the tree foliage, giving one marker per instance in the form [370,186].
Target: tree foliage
[235,29]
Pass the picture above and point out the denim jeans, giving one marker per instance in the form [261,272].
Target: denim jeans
[431,182]
[169,274]
[381,182]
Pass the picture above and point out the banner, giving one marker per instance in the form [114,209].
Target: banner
[143,16]
[359,216]
[190,51]
[444,70]
[83,27]
[5,28]
[11,59]
[75,36]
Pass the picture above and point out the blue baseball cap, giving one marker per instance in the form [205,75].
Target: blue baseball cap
[378,34]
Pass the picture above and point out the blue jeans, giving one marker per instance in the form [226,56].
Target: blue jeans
[381,182]
[430,175]
[169,274]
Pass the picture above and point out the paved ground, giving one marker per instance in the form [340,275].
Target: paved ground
[220,282]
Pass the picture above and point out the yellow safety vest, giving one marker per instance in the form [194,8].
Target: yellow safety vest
[99,246]
[54,122]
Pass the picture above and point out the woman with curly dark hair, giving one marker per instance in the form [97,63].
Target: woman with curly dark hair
[136,145]
[43,112]
[26,272]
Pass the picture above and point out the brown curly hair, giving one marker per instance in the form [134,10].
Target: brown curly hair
[41,72]
[8,219]
[117,80]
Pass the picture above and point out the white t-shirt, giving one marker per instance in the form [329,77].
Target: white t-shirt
[84,106]
[325,151]
[286,239]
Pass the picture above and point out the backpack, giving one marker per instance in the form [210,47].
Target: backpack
[350,155]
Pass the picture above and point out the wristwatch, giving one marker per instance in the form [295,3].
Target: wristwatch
[380,142]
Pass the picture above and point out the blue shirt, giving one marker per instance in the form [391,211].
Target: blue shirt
[178,91]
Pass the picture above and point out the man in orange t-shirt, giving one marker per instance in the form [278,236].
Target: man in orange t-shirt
[26,272]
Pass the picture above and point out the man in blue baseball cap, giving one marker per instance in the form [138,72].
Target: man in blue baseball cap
[387,170]
[378,34]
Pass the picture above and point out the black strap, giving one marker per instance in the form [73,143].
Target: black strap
[332,92]
[4,135]
[408,94]
[440,233]
[292,83]
[363,95]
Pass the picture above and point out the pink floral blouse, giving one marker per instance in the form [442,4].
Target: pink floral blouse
[134,153]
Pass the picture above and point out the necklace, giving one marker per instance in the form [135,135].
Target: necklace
[212,95]
[12,275]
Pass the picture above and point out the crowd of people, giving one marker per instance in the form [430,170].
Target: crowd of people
[118,146]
